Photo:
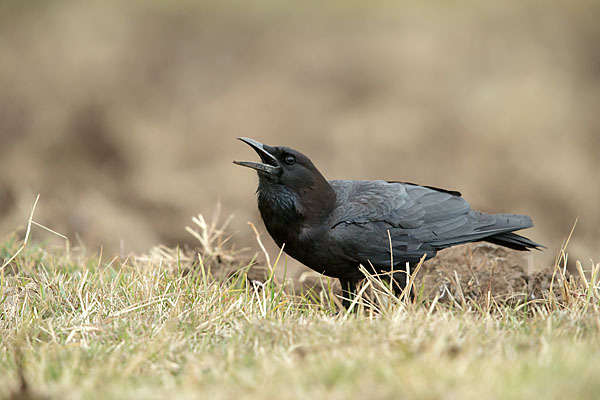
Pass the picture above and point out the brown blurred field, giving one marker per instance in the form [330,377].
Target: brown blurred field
[122,115]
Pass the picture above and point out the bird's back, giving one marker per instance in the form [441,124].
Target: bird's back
[373,216]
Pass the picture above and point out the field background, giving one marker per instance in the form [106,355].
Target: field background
[122,115]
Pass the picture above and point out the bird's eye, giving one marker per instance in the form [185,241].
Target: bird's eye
[290,159]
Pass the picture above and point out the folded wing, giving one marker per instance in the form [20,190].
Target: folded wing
[373,216]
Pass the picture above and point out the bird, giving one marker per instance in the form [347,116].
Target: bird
[334,226]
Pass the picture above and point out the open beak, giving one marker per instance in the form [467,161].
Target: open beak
[269,163]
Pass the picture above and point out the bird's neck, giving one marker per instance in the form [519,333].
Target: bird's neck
[286,212]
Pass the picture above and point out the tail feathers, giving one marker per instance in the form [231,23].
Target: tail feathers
[514,241]
[512,222]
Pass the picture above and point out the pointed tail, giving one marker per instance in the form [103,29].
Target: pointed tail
[514,241]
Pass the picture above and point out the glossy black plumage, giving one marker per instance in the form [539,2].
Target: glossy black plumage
[334,226]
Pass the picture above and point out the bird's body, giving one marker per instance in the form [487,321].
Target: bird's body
[335,226]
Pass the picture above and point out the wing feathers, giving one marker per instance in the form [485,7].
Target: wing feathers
[419,220]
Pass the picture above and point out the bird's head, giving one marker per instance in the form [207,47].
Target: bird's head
[282,165]
[289,180]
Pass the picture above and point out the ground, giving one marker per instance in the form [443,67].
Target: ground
[217,323]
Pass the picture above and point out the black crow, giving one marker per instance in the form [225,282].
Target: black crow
[334,226]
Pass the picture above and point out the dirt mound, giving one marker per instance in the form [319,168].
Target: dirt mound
[477,269]
[470,272]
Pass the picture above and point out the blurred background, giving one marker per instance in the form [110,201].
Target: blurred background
[123,114]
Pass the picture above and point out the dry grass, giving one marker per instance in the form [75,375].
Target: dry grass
[170,325]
